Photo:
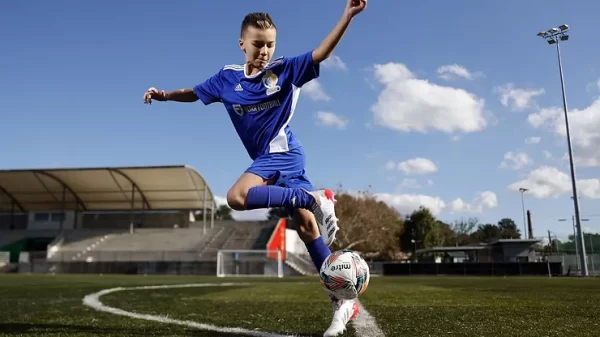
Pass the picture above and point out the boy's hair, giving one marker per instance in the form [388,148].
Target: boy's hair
[258,20]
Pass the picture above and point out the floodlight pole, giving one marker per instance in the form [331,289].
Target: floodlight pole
[554,36]
[523,190]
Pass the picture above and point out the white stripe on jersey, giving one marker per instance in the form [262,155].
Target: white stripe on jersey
[280,142]
[235,67]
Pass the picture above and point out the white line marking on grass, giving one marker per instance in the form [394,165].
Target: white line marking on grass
[93,301]
[365,324]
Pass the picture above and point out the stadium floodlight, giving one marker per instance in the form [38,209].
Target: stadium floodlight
[523,190]
[553,37]
[542,34]
[249,262]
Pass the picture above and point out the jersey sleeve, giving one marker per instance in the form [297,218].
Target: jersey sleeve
[209,91]
[302,68]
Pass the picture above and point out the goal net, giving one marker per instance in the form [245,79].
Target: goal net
[267,263]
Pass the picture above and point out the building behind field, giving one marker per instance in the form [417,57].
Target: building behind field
[128,220]
[164,220]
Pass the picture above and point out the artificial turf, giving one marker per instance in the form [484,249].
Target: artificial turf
[51,305]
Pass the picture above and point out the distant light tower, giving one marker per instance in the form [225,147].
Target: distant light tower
[523,190]
[575,238]
[553,36]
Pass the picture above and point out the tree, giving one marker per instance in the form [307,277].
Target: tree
[508,229]
[223,213]
[450,236]
[277,213]
[486,233]
[421,230]
[463,230]
[367,225]
[591,241]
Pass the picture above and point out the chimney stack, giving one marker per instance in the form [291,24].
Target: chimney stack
[529,225]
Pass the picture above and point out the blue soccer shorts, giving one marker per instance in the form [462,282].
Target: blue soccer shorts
[288,168]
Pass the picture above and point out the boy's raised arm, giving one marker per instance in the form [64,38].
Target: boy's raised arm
[325,49]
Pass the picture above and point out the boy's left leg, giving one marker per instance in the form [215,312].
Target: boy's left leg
[343,311]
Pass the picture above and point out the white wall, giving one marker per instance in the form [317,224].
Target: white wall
[293,243]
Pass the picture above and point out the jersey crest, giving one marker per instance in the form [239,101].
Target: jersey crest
[269,81]
[261,106]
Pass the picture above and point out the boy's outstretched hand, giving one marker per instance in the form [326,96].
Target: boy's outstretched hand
[354,7]
[154,94]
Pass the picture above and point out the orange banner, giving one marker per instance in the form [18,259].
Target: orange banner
[277,240]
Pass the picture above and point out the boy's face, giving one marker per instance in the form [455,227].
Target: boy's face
[258,45]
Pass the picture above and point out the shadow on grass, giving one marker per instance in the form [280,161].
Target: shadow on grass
[62,329]
[45,328]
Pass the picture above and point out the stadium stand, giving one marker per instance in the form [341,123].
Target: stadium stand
[158,219]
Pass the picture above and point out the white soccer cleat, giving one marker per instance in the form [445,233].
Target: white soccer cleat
[343,312]
[324,210]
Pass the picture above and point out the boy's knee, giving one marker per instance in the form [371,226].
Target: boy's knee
[236,198]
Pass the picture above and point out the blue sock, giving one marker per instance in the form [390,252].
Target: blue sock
[276,196]
[318,252]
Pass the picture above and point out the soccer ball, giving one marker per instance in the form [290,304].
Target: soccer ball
[345,274]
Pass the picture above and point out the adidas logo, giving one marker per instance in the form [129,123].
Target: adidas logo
[238,87]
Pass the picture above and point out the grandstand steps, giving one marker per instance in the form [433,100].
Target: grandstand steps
[216,242]
[182,244]
[251,235]
[300,264]
[76,245]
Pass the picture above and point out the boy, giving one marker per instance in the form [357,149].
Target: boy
[260,97]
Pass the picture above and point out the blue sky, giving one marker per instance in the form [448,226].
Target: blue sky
[451,86]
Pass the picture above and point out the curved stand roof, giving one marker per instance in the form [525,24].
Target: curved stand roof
[105,189]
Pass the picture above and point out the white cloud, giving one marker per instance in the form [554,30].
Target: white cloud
[484,200]
[515,161]
[429,182]
[220,200]
[330,119]
[549,182]
[334,62]
[517,99]
[585,130]
[533,140]
[417,166]
[251,215]
[407,203]
[411,104]
[452,71]
[544,117]
[593,86]
[547,154]
[390,165]
[409,183]
[314,90]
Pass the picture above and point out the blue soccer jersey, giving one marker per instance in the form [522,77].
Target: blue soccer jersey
[261,106]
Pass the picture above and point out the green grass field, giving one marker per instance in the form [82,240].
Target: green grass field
[46,305]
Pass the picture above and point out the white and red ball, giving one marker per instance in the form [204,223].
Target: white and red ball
[345,275]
